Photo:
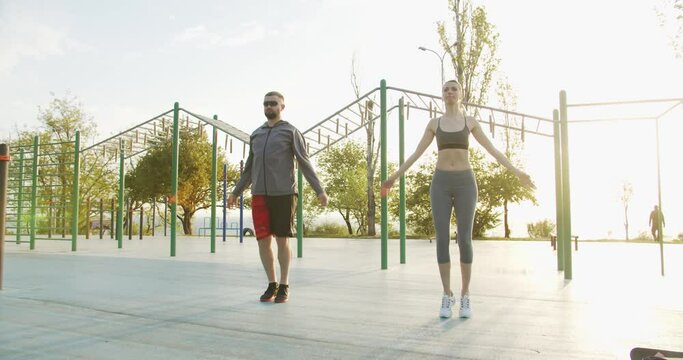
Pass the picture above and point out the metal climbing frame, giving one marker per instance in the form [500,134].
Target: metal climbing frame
[43,191]
[134,142]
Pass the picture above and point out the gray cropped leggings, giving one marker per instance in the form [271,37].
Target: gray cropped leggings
[453,189]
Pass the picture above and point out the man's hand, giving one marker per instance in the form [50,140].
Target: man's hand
[232,199]
[323,199]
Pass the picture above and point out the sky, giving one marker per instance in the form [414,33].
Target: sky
[127,61]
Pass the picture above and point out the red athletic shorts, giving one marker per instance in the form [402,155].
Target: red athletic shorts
[273,215]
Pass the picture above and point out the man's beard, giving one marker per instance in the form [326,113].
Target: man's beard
[270,115]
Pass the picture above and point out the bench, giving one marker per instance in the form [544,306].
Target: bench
[234,227]
[553,241]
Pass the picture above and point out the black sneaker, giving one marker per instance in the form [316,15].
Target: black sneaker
[282,294]
[269,295]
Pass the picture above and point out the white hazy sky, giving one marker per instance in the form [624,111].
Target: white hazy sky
[130,60]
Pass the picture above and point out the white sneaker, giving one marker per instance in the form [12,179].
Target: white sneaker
[465,310]
[446,306]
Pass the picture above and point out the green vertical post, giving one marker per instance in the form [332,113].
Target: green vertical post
[566,201]
[383,169]
[119,211]
[558,192]
[214,170]
[34,193]
[660,216]
[4,179]
[21,191]
[300,214]
[75,198]
[112,223]
[174,175]
[402,183]
[87,221]
[101,218]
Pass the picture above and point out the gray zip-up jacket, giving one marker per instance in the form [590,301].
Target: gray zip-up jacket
[270,165]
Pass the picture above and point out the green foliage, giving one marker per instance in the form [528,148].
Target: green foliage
[486,217]
[343,172]
[150,178]
[419,219]
[328,228]
[60,120]
[540,229]
[644,236]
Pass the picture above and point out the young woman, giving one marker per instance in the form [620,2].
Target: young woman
[454,187]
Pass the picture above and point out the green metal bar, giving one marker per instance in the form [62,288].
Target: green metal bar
[56,143]
[174,176]
[660,216]
[51,164]
[566,200]
[402,181]
[75,195]
[112,222]
[142,218]
[559,235]
[129,217]
[53,154]
[119,211]
[383,171]
[49,216]
[4,167]
[34,197]
[101,227]
[300,215]
[214,170]
[19,200]
[56,175]
[87,222]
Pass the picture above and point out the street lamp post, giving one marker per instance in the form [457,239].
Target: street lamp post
[441,57]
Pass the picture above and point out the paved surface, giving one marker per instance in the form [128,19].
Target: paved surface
[138,303]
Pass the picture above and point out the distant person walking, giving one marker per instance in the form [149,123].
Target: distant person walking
[655,217]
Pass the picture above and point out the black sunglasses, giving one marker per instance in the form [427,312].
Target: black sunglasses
[270,103]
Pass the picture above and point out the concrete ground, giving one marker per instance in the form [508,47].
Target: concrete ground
[138,303]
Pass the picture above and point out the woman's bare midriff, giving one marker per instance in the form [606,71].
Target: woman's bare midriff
[453,160]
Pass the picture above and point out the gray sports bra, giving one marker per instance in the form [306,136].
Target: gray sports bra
[452,139]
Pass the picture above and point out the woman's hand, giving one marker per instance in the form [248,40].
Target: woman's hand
[525,179]
[386,185]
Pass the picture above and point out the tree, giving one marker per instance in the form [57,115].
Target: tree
[60,120]
[505,184]
[485,217]
[371,151]
[150,178]
[343,173]
[418,205]
[670,13]
[474,52]
[626,193]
